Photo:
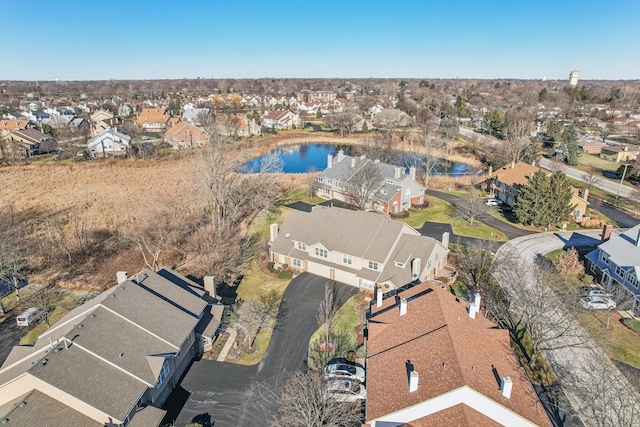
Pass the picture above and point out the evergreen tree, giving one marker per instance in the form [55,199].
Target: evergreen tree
[532,205]
[570,145]
[554,130]
[545,200]
[559,198]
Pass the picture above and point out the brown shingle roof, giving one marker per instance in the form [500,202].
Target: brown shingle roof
[447,348]
[518,175]
[152,115]
[184,133]
[12,125]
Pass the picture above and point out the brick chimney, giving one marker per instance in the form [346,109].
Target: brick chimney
[606,233]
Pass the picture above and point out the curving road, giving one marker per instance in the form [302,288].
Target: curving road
[577,367]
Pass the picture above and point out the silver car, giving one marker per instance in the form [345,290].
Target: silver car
[346,391]
[597,302]
[344,371]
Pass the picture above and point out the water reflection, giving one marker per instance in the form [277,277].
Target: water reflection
[302,158]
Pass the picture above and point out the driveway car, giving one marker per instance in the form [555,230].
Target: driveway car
[344,371]
[492,202]
[346,391]
[597,302]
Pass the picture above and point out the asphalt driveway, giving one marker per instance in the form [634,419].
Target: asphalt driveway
[9,336]
[225,394]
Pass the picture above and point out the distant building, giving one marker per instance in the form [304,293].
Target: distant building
[573,77]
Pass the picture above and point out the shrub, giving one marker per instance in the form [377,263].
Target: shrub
[281,274]
[633,324]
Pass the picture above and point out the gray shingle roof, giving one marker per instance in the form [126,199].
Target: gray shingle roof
[148,416]
[91,380]
[151,312]
[622,249]
[174,293]
[363,234]
[120,342]
[38,409]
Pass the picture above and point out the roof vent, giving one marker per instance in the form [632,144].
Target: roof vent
[23,404]
[113,296]
[121,355]
[80,326]
[92,315]
[6,420]
[45,361]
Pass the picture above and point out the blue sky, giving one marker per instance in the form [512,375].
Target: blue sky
[95,40]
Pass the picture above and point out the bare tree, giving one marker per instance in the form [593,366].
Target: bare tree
[518,142]
[361,183]
[601,398]
[533,309]
[423,153]
[260,313]
[380,147]
[343,122]
[312,183]
[46,298]
[591,180]
[70,237]
[471,207]
[327,312]
[304,402]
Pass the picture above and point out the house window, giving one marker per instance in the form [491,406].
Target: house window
[373,265]
[163,374]
[604,258]
[296,262]
[301,246]
[593,268]
[321,252]
[619,271]
[347,259]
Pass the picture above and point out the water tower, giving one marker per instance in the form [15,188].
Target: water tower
[573,78]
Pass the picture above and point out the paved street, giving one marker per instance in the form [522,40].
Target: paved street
[575,366]
[9,336]
[226,394]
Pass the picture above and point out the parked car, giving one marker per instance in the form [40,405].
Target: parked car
[344,371]
[29,316]
[597,302]
[346,391]
[492,202]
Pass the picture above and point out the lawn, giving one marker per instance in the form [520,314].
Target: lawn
[442,211]
[590,161]
[9,301]
[343,335]
[618,342]
[31,336]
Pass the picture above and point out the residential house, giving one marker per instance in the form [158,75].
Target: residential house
[111,361]
[185,135]
[616,261]
[619,153]
[397,190]
[237,125]
[100,115]
[195,116]
[358,248]
[113,123]
[590,146]
[505,183]
[153,119]
[434,360]
[280,119]
[10,125]
[124,110]
[30,142]
[109,142]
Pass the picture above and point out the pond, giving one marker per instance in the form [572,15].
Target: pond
[303,158]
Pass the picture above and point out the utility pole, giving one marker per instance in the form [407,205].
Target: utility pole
[622,179]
